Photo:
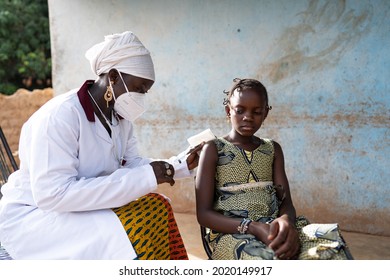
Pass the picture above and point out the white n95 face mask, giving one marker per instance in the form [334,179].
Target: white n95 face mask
[129,105]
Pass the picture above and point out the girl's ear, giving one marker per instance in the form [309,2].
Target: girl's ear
[227,110]
[268,108]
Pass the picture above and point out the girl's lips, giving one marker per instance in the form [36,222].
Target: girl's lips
[246,127]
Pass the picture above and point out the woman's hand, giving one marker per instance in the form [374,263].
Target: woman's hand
[193,158]
[284,239]
[164,172]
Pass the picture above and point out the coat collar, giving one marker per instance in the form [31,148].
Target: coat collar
[86,101]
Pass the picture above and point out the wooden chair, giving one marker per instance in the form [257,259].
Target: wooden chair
[206,246]
[7,160]
[7,166]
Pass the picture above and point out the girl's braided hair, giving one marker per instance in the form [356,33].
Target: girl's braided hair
[243,84]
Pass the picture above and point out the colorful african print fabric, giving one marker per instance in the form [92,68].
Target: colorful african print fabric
[151,227]
[244,189]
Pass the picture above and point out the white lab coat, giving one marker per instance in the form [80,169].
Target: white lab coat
[58,204]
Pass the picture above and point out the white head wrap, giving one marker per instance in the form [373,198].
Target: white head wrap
[124,52]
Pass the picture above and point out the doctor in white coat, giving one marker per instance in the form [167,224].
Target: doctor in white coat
[79,159]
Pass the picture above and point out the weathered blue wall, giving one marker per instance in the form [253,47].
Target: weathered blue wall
[325,64]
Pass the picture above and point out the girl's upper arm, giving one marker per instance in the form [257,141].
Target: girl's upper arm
[279,173]
[280,178]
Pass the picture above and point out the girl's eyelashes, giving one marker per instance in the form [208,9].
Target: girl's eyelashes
[242,110]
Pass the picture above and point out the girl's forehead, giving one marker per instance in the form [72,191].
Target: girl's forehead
[247,95]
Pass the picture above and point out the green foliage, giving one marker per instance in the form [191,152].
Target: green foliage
[25,57]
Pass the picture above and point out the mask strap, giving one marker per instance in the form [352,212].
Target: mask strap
[120,75]
[112,89]
[113,94]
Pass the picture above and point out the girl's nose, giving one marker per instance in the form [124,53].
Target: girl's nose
[248,117]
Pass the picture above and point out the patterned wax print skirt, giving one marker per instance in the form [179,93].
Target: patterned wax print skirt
[151,227]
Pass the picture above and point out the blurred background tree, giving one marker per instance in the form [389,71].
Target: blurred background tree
[25,57]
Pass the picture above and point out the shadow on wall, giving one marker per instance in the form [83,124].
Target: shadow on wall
[330,25]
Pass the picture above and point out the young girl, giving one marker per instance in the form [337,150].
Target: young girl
[243,195]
